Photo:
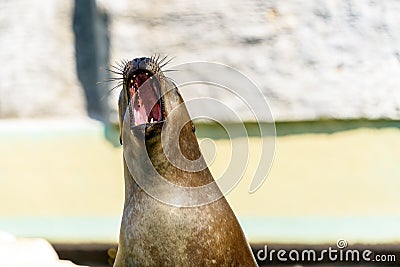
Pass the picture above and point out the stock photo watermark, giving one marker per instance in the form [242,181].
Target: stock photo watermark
[208,87]
[339,253]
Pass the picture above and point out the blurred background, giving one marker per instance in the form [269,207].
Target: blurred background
[330,71]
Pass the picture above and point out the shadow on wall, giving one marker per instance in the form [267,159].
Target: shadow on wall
[92,52]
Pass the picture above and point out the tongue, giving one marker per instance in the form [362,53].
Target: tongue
[155,113]
[146,105]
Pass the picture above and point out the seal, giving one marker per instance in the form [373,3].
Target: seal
[154,233]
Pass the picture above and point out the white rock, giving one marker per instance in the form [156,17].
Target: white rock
[32,252]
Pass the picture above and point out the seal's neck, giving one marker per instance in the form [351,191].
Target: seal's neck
[169,149]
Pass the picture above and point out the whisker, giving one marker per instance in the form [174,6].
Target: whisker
[115,78]
[115,72]
[123,62]
[158,57]
[172,80]
[117,68]
[154,57]
[162,60]
[110,90]
[169,70]
[110,80]
[119,65]
[163,65]
[117,85]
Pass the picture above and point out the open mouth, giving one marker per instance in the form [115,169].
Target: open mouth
[145,100]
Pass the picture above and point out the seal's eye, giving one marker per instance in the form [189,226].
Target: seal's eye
[144,96]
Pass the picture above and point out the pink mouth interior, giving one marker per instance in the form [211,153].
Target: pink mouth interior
[145,99]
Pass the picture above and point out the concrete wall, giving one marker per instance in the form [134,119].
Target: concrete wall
[38,74]
[313,60]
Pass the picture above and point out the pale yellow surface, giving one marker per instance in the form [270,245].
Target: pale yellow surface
[349,173]
[64,175]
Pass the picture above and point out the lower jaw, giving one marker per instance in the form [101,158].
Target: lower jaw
[147,126]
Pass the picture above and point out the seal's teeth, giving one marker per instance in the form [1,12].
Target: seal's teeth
[152,120]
